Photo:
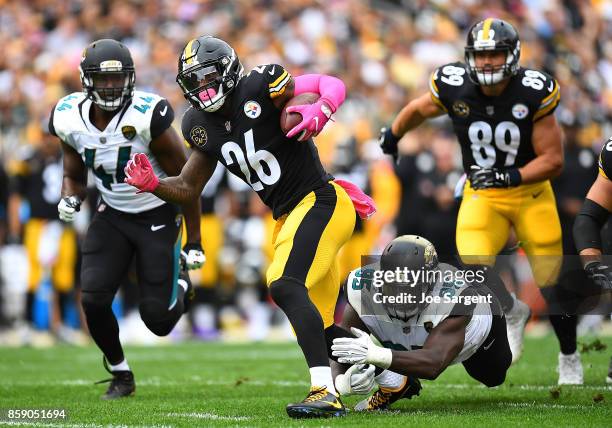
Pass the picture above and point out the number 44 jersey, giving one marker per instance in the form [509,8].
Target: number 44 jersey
[494,131]
[106,152]
[250,143]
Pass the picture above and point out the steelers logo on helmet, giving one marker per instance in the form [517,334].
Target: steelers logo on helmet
[252,109]
[107,74]
[492,35]
[208,71]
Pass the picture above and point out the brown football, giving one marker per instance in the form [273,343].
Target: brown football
[289,120]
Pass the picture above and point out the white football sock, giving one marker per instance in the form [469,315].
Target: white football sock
[122,366]
[322,376]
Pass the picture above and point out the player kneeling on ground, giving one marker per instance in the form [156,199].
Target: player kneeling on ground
[416,324]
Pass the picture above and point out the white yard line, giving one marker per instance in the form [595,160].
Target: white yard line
[208,416]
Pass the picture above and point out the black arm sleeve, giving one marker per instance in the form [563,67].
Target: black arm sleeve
[162,118]
[588,224]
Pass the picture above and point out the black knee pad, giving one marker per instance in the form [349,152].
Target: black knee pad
[289,293]
[157,317]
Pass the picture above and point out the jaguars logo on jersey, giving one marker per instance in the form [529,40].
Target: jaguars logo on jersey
[494,131]
[281,170]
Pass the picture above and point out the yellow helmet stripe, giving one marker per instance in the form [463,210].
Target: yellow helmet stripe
[187,52]
[486,27]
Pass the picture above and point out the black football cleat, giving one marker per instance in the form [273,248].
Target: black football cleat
[121,384]
[384,397]
[609,378]
[320,403]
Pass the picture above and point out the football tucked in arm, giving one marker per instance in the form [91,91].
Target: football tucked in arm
[290,120]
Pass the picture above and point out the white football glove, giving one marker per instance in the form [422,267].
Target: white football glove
[358,379]
[67,207]
[193,255]
[361,350]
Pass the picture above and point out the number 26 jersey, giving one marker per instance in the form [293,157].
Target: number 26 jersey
[494,131]
[251,144]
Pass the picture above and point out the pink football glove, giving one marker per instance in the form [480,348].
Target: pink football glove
[314,118]
[139,173]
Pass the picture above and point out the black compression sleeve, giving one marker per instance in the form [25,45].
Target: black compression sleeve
[162,118]
[588,224]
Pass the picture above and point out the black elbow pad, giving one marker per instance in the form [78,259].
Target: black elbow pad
[588,224]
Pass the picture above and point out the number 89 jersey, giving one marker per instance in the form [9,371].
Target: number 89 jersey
[494,131]
[106,152]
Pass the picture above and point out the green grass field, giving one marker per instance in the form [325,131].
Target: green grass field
[248,385]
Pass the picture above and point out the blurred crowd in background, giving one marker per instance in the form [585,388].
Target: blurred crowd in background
[383,50]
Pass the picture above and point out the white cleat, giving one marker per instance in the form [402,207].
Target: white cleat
[516,319]
[570,369]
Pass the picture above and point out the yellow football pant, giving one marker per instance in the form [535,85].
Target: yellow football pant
[485,218]
[306,244]
[62,272]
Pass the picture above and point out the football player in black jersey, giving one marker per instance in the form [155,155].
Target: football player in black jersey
[235,119]
[511,147]
[587,227]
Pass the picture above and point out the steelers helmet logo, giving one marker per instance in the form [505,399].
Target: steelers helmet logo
[252,109]
[520,111]
[461,109]
[199,136]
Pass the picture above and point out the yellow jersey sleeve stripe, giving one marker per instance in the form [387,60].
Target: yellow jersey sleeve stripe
[280,79]
[278,93]
[543,111]
[601,172]
[433,87]
[438,102]
[546,100]
[281,86]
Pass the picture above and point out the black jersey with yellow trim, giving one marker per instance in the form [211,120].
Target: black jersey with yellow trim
[494,131]
[251,144]
[605,159]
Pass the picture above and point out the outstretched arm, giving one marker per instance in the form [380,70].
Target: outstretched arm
[439,350]
[181,189]
[169,152]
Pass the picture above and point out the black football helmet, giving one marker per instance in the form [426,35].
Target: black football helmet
[208,71]
[414,254]
[492,35]
[107,74]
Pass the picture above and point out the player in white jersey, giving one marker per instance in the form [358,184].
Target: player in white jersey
[99,129]
[413,317]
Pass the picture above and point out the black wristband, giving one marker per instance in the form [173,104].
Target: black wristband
[514,177]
